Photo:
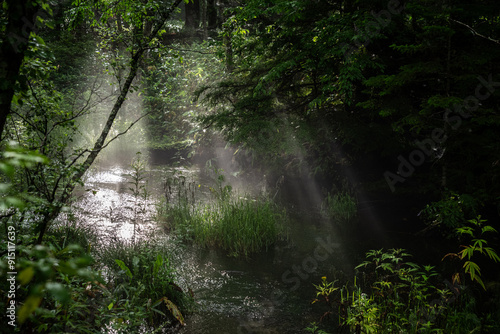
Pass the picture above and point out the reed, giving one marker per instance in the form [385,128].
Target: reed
[238,226]
[343,209]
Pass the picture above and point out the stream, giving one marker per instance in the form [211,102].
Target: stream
[271,292]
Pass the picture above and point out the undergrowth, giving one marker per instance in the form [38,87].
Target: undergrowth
[239,226]
[391,294]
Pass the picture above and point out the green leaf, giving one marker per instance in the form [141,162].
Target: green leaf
[157,265]
[488,228]
[472,269]
[174,310]
[26,275]
[492,254]
[124,267]
[30,305]
[135,263]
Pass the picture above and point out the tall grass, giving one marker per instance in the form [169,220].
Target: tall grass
[342,208]
[238,226]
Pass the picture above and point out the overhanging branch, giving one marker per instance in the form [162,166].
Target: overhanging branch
[476,33]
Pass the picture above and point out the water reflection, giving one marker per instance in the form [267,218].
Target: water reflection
[232,295]
[107,203]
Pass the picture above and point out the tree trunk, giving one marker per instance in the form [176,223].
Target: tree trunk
[211,14]
[21,16]
[192,15]
[229,53]
[204,18]
[99,144]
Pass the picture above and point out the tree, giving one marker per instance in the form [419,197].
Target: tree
[192,15]
[371,79]
[444,75]
[211,15]
[290,80]
[18,25]
[45,124]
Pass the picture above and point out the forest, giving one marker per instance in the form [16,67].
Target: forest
[250,166]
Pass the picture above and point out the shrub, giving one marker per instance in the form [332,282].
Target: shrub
[142,286]
[450,213]
[474,231]
[394,295]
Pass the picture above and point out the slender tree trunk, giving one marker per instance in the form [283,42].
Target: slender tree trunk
[99,144]
[204,18]
[192,15]
[229,53]
[211,15]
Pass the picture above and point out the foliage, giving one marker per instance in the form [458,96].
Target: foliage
[435,77]
[363,313]
[240,226]
[168,99]
[393,295]
[474,231]
[450,212]
[314,82]
[342,208]
[313,328]
[41,122]
[142,286]
[46,118]
[54,281]
[139,188]
[307,86]
[14,157]
[45,115]
[325,289]
[220,191]
[284,85]
[402,292]
[54,273]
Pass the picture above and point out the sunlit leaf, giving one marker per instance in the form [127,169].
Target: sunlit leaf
[29,306]
[124,267]
[26,275]
[174,310]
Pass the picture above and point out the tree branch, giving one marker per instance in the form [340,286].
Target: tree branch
[476,33]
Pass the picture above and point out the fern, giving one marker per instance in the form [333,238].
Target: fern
[476,245]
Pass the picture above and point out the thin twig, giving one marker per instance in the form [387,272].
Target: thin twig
[124,132]
[476,33]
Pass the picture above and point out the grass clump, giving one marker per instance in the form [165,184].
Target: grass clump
[238,226]
[342,208]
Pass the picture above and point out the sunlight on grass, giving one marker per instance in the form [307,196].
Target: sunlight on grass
[238,226]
